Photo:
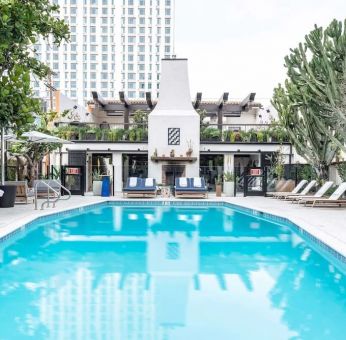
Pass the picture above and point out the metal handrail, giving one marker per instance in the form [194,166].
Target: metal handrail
[48,192]
[49,189]
[63,188]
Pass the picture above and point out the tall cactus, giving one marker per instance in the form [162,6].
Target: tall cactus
[309,103]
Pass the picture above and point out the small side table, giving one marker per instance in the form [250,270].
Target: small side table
[165,191]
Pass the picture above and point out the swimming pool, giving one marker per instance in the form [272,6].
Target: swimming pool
[153,271]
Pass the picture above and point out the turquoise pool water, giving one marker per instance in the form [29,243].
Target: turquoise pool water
[167,272]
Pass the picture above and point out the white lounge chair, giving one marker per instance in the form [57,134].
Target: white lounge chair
[306,191]
[320,193]
[333,200]
[296,190]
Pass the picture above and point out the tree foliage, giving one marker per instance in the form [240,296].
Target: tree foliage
[22,24]
[315,69]
[341,167]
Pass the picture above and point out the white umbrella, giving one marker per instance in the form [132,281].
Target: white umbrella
[39,137]
[11,138]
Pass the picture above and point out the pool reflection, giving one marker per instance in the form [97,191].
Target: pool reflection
[167,273]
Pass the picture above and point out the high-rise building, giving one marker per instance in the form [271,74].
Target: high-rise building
[115,45]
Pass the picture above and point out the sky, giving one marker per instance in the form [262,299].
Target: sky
[238,46]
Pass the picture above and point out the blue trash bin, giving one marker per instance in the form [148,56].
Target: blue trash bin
[105,191]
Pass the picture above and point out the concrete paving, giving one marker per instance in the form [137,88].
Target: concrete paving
[327,224]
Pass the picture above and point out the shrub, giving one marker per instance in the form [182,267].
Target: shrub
[341,167]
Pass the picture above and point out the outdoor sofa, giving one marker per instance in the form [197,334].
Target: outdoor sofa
[191,187]
[137,187]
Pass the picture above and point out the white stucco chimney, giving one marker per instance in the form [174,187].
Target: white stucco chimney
[174,123]
[174,89]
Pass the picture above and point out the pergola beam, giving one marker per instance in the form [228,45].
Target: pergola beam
[97,98]
[248,99]
[124,99]
[223,100]
[198,100]
[149,101]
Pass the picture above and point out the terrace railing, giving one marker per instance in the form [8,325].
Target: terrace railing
[243,133]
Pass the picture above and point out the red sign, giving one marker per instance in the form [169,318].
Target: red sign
[255,172]
[73,171]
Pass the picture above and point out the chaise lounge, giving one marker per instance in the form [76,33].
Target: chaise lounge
[319,194]
[140,187]
[191,187]
[296,190]
[305,191]
[335,199]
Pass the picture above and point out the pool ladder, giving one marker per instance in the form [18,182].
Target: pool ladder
[50,190]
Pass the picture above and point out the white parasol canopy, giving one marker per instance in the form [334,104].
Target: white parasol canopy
[39,137]
[11,138]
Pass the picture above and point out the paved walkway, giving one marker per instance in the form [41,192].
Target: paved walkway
[327,224]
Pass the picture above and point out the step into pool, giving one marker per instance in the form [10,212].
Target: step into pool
[168,271]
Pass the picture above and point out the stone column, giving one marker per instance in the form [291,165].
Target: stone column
[118,172]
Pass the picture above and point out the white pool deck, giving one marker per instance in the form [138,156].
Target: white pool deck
[326,224]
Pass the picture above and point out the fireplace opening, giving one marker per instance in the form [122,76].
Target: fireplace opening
[170,172]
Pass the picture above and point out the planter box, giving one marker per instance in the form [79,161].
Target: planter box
[228,188]
[90,136]
[9,196]
[218,190]
[97,187]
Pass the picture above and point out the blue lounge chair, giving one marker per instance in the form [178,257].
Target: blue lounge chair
[191,187]
[140,187]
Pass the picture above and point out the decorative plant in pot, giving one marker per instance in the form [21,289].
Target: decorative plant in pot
[189,148]
[97,182]
[218,186]
[228,183]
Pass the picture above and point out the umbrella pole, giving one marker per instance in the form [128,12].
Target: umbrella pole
[2,155]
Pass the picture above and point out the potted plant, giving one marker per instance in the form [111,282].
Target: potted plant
[233,136]
[7,195]
[260,136]
[253,135]
[90,134]
[97,182]
[189,148]
[218,186]
[237,136]
[228,183]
